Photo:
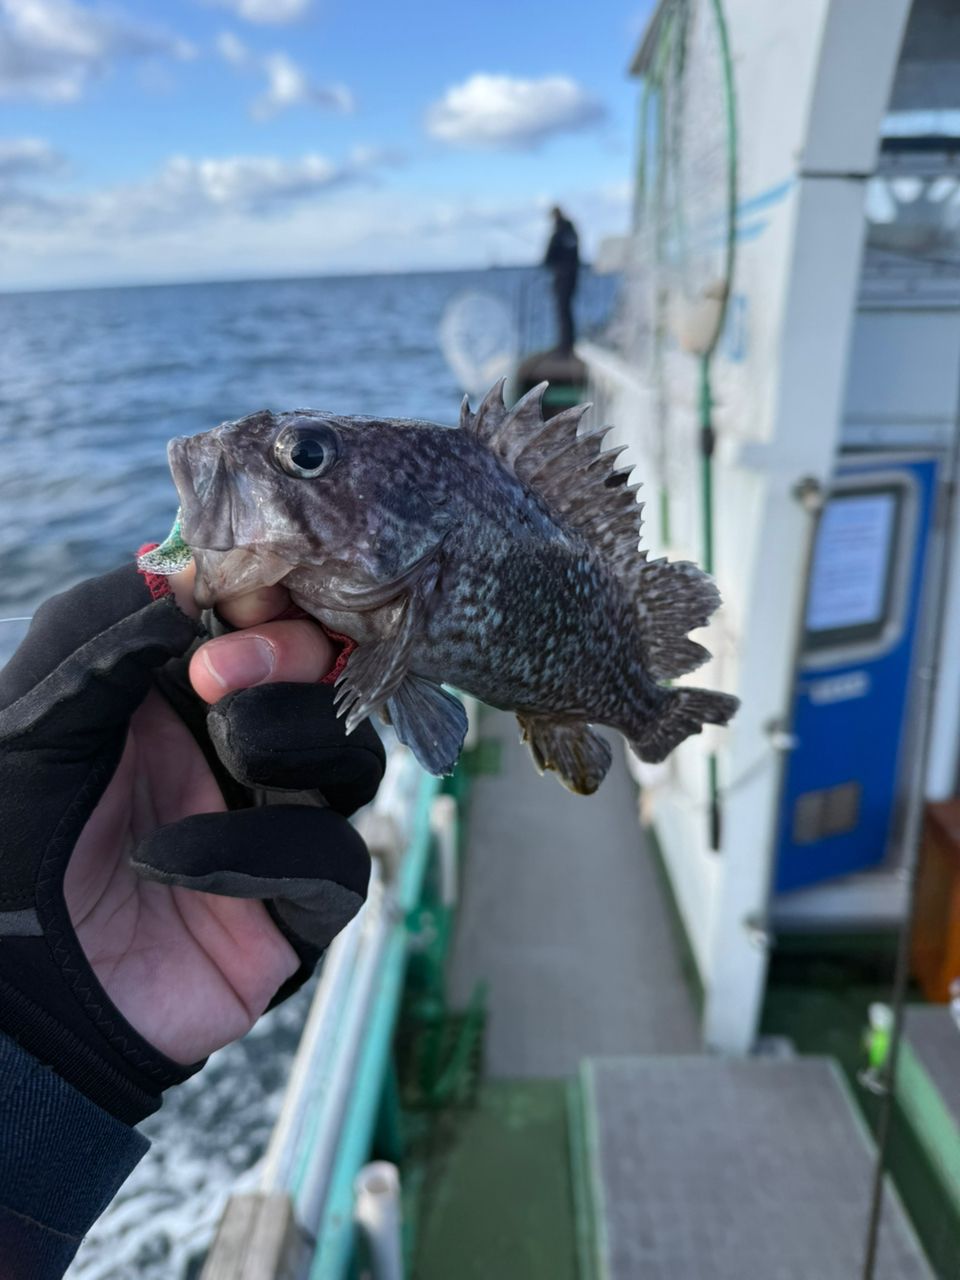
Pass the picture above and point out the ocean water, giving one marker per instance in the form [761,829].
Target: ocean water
[92,385]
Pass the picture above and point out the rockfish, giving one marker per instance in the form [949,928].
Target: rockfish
[501,558]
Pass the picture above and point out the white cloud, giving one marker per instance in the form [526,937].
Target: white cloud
[232,49]
[51,49]
[288,85]
[24,161]
[504,111]
[185,192]
[263,11]
[248,183]
[26,158]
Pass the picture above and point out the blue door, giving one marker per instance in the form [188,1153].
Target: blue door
[852,697]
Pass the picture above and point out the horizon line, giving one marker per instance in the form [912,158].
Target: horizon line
[264,279]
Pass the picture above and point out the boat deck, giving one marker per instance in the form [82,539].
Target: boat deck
[605,1145]
[563,916]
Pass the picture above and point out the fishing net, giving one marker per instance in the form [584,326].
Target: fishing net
[679,280]
[700,178]
[682,264]
[479,340]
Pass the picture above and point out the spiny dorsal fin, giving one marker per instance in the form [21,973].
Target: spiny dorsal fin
[521,437]
[569,469]
[519,425]
[584,487]
[551,439]
[673,597]
[490,413]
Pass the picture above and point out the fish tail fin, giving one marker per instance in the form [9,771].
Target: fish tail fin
[685,713]
[576,752]
[673,597]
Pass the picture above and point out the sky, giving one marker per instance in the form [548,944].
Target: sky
[231,139]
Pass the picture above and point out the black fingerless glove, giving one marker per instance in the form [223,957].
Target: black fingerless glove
[66,698]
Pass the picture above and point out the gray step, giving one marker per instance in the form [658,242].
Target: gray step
[933,1036]
[704,1168]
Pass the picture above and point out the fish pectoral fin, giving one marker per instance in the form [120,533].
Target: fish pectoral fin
[430,721]
[375,670]
[372,673]
[575,752]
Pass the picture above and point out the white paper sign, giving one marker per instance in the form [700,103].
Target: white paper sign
[849,578]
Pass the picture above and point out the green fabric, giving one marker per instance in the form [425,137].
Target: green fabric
[171,556]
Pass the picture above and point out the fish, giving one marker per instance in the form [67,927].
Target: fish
[500,558]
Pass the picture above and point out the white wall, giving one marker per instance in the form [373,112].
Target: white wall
[779,378]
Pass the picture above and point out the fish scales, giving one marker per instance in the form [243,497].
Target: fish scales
[501,557]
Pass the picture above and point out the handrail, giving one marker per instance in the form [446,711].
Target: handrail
[305,1199]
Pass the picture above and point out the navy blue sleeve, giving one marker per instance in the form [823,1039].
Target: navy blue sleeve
[62,1160]
[553,250]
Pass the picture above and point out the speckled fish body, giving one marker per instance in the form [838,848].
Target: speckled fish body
[501,558]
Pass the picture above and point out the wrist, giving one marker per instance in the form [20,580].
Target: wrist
[57,1012]
[62,1160]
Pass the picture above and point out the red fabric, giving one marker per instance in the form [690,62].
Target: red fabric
[349,645]
[157,584]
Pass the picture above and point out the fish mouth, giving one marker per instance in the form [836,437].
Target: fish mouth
[207,526]
[200,474]
[225,574]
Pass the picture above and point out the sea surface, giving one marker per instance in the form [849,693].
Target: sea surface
[93,383]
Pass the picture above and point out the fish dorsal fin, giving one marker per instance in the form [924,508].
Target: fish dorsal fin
[569,469]
[584,488]
[490,413]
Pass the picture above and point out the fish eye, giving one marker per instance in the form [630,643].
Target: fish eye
[306,451]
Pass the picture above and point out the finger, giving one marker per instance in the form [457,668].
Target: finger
[181,584]
[244,611]
[257,606]
[288,737]
[275,652]
[310,863]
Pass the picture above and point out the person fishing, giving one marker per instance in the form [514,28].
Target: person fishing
[150,912]
[563,260]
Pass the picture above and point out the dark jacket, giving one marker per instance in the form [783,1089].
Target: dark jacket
[62,1160]
[563,251]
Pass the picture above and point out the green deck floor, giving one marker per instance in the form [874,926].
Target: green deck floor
[497,1199]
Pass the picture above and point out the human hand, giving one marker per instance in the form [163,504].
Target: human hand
[105,784]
